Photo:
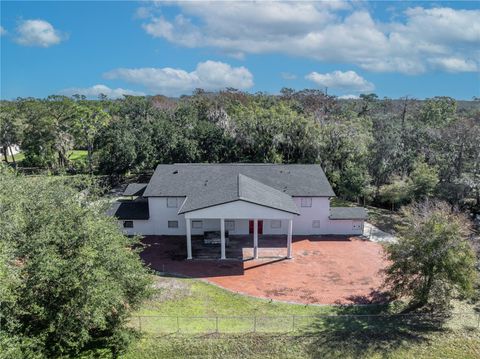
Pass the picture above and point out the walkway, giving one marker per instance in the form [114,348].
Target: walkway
[375,234]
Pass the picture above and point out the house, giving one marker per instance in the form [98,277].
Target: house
[269,199]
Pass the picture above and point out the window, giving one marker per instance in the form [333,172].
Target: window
[230,225]
[357,225]
[172,224]
[276,223]
[172,202]
[316,223]
[197,224]
[127,224]
[306,202]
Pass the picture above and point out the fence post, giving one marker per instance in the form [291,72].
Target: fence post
[216,323]
[178,325]
[293,323]
[254,323]
[140,323]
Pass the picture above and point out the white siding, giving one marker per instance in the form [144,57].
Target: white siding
[345,226]
[320,210]
[140,227]
[160,214]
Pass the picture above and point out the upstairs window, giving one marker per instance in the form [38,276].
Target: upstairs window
[306,202]
[127,224]
[172,224]
[172,202]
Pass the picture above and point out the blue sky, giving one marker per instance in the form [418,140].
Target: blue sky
[391,48]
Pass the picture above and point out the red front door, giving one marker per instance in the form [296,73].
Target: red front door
[260,227]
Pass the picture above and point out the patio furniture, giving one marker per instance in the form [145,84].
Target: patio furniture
[213,238]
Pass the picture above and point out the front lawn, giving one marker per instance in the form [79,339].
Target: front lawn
[197,304]
[325,331]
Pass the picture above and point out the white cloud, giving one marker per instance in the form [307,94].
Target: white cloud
[455,64]
[37,33]
[288,76]
[348,80]
[96,90]
[422,39]
[2,31]
[348,97]
[208,75]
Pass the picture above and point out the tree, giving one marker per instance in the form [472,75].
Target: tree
[91,118]
[424,179]
[11,128]
[396,192]
[117,149]
[71,277]
[432,261]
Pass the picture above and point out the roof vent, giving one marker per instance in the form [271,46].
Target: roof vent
[175,172]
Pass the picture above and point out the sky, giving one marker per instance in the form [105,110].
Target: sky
[393,49]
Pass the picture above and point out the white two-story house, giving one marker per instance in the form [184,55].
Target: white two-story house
[243,199]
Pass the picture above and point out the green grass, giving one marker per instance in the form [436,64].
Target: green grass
[76,155]
[438,345]
[197,305]
[73,155]
[18,157]
[321,335]
[382,218]
[184,297]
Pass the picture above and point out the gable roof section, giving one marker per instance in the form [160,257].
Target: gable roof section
[259,193]
[187,180]
[135,189]
[130,209]
[348,213]
[242,188]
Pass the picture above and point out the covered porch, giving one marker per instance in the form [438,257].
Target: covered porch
[241,248]
[233,212]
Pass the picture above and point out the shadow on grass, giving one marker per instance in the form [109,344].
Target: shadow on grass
[350,334]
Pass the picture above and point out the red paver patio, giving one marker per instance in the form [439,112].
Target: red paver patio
[324,270]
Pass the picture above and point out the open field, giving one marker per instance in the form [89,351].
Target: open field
[448,345]
[73,155]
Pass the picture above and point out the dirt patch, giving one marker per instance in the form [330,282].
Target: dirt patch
[167,289]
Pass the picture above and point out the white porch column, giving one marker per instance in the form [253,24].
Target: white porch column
[255,238]
[289,239]
[222,237]
[189,239]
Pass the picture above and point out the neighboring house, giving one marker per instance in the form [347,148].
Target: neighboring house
[188,199]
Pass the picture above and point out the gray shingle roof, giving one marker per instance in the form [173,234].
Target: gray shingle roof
[348,213]
[137,209]
[218,180]
[242,188]
[135,189]
[259,193]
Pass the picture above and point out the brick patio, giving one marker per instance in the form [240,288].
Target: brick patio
[325,270]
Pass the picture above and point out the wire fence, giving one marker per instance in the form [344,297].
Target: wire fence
[298,324]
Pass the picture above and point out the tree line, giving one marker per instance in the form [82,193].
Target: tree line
[381,151]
